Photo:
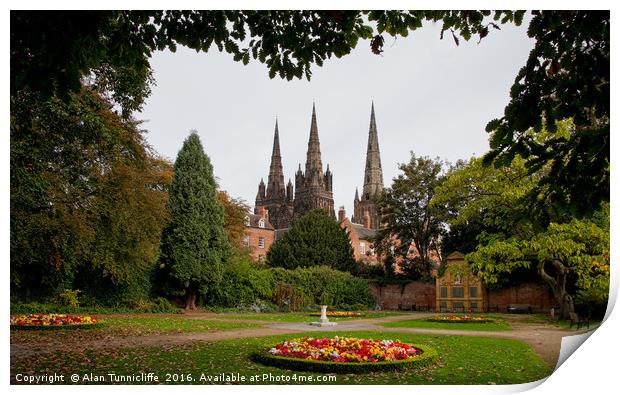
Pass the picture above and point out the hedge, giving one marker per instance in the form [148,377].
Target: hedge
[427,358]
[244,283]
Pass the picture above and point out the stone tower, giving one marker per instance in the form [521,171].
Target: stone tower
[365,209]
[276,199]
[313,188]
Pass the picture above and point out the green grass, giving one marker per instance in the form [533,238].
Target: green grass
[496,325]
[300,317]
[164,324]
[130,326]
[463,360]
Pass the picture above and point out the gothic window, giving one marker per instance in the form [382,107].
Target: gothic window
[261,242]
[443,291]
[246,240]
[261,223]
[457,292]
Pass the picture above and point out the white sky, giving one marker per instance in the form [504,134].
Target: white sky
[431,97]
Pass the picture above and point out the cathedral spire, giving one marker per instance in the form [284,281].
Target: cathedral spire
[373,174]
[275,182]
[313,156]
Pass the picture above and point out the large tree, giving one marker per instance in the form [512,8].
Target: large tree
[571,258]
[314,239]
[514,237]
[565,77]
[195,244]
[408,215]
[88,199]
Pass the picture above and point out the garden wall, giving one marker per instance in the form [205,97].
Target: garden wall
[403,297]
[397,296]
[537,295]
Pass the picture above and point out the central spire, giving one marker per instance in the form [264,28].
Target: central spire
[313,156]
[373,174]
[275,182]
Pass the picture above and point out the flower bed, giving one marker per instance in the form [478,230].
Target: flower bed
[350,355]
[53,321]
[459,319]
[340,314]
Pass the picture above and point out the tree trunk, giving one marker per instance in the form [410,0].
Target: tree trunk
[190,299]
[558,287]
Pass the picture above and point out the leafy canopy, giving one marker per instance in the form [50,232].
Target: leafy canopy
[565,77]
[408,215]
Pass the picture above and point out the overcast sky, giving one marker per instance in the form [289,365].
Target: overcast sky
[431,97]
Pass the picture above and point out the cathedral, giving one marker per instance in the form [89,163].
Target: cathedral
[313,187]
[282,204]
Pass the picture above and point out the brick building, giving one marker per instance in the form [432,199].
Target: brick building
[459,290]
[259,235]
[361,237]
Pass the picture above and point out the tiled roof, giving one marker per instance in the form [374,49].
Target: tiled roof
[254,219]
[364,233]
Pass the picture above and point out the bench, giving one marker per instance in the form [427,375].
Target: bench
[579,321]
[519,308]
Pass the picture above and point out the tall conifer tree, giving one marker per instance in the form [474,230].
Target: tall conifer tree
[195,243]
[314,239]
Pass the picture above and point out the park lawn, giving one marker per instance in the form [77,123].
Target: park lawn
[301,317]
[463,360]
[497,325]
[171,324]
[130,325]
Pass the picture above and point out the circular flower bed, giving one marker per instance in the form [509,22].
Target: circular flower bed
[459,319]
[350,355]
[53,321]
[341,314]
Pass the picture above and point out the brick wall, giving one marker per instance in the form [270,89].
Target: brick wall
[393,296]
[537,295]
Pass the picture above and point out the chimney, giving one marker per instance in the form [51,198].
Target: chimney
[260,211]
[341,214]
[366,220]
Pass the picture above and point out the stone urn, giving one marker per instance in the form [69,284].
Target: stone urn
[323,321]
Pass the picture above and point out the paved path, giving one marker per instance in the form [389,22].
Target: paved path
[544,339]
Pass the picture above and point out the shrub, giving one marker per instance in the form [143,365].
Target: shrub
[69,297]
[313,239]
